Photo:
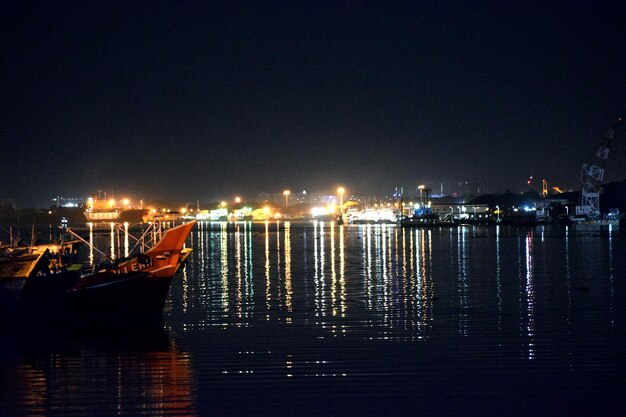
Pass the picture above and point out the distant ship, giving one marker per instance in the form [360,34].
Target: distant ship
[104,210]
[112,211]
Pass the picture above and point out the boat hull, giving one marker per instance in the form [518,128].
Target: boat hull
[44,296]
[14,273]
[108,297]
[10,291]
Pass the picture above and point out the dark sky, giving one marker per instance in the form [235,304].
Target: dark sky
[205,100]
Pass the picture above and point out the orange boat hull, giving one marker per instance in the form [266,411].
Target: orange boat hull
[164,258]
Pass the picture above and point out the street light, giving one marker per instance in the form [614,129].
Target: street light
[237,200]
[341,191]
[286,194]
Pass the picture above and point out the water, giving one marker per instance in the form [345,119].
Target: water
[275,319]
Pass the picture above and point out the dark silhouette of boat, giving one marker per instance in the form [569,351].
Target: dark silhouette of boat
[134,288]
[425,220]
[130,289]
[16,267]
[106,296]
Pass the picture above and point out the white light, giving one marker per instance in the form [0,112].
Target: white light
[319,211]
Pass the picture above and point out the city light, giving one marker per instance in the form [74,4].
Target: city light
[300,205]
[341,191]
[286,194]
[319,211]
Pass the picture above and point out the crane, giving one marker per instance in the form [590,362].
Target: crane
[592,174]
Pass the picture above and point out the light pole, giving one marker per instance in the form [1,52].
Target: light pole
[341,191]
[286,194]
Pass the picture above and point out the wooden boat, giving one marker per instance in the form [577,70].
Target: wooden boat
[131,288]
[134,288]
[16,266]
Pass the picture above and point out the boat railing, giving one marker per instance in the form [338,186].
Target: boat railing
[140,244]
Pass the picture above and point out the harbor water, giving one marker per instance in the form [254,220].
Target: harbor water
[320,319]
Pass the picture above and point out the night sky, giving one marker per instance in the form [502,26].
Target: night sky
[207,100]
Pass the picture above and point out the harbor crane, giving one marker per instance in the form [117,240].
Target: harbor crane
[592,174]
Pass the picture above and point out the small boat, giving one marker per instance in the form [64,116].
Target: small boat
[16,267]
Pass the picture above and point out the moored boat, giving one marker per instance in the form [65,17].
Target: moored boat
[135,288]
[424,221]
[16,266]
[131,288]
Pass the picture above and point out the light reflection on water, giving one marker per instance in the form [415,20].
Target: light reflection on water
[361,313]
[113,374]
[396,281]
